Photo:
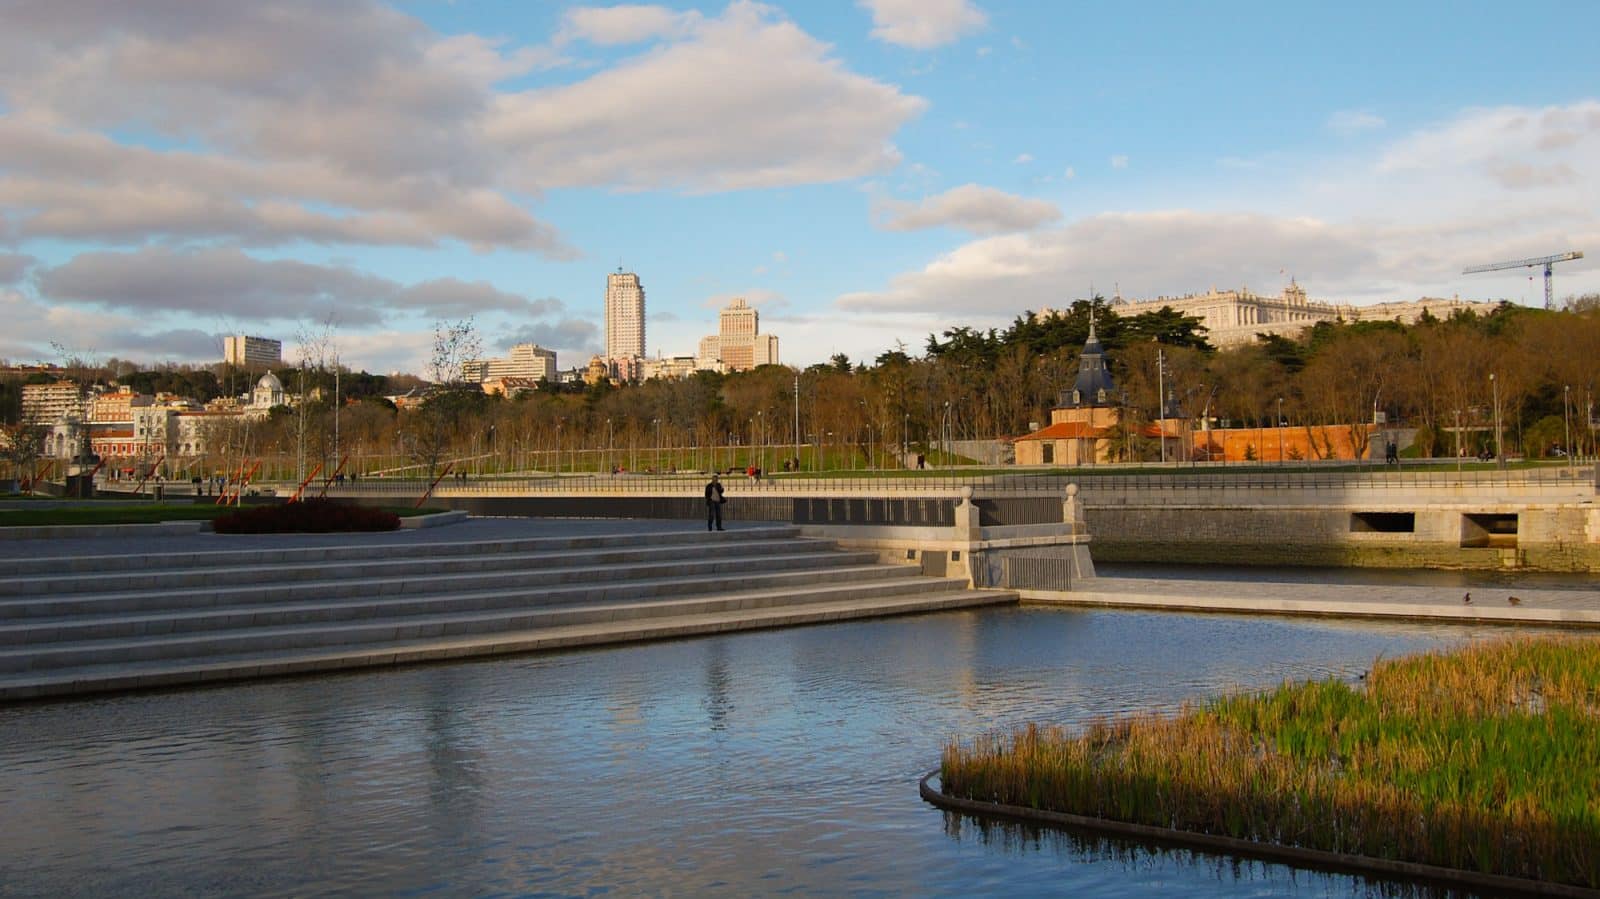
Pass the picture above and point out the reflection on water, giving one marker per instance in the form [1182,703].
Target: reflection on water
[781,761]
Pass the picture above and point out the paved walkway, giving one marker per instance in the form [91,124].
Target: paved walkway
[1541,606]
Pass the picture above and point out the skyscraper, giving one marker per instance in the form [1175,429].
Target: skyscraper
[624,316]
[739,344]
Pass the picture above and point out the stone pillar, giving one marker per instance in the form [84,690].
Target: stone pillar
[968,535]
[968,522]
[1072,511]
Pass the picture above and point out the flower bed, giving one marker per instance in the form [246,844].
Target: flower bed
[314,516]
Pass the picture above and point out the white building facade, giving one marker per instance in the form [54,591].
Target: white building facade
[251,352]
[624,316]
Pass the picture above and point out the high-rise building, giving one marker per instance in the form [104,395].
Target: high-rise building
[525,360]
[624,316]
[251,352]
[739,344]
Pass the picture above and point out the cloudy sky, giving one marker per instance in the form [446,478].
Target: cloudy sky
[864,171]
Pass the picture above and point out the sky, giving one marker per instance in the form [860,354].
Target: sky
[866,173]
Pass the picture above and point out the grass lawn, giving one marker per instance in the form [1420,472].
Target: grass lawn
[1484,759]
[138,513]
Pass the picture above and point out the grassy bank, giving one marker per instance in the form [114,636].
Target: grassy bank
[1484,759]
[140,513]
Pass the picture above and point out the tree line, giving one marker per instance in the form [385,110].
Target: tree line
[966,384]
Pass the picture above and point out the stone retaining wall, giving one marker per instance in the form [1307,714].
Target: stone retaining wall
[1547,537]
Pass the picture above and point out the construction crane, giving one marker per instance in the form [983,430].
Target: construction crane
[1546,261]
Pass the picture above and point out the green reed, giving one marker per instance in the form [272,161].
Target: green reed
[1486,758]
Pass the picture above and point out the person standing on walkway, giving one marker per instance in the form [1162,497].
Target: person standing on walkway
[714,501]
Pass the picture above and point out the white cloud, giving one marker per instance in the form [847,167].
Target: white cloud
[971,208]
[1070,173]
[626,24]
[924,24]
[1023,158]
[349,123]
[353,123]
[1148,253]
[1350,122]
[1119,162]
[675,118]
[230,283]
[1396,222]
[13,266]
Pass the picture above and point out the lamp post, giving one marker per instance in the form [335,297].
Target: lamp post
[1566,396]
[1375,394]
[1279,423]
[1458,441]
[796,433]
[1499,448]
[944,432]
[1161,406]
[610,439]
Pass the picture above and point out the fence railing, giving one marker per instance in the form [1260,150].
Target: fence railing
[1091,481]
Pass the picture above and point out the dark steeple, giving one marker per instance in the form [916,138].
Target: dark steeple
[1093,386]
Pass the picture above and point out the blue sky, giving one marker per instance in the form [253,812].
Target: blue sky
[866,173]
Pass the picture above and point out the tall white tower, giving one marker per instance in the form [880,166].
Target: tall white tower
[624,316]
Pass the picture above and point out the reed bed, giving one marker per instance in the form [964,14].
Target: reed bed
[1485,758]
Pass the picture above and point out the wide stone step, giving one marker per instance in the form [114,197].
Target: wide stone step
[301,637]
[128,675]
[195,590]
[304,555]
[196,571]
[33,632]
[659,576]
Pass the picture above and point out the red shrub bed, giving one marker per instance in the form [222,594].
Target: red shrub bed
[314,516]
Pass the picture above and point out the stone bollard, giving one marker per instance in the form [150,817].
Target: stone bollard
[968,521]
[1072,511]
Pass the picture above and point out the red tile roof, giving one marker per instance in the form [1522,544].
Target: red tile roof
[1067,430]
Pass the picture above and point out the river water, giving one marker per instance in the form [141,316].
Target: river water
[777,762]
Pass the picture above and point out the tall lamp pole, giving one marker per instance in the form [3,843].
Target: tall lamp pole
[1499,447]
[1161,406]
[1566,418]
[1279,423]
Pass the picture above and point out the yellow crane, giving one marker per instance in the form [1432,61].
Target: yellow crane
[1546,261]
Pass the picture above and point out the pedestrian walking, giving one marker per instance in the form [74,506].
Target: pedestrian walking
[714,501]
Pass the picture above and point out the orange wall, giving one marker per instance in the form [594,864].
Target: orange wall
[1230,445]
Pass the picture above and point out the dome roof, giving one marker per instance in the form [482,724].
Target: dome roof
[269,381]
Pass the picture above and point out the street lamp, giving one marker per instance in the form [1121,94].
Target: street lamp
[1566,396]
[1458,441]
[1375,394]
[1280,430]
[1499,448]
[658,444]
[944,431]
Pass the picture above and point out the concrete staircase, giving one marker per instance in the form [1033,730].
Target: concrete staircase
[76,625]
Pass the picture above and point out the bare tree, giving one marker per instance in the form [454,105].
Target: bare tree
[451,398]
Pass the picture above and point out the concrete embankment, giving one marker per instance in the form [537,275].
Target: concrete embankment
[1489,605]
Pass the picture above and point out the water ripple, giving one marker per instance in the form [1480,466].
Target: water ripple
[763,763]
